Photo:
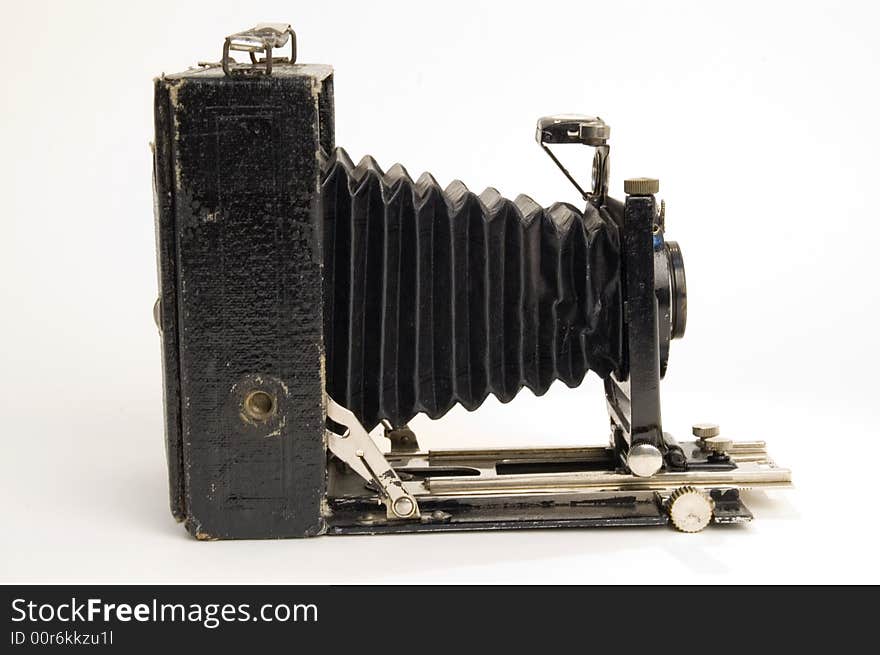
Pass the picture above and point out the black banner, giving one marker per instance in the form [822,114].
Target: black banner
[130,619]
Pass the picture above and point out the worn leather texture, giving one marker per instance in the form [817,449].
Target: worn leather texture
[238,172]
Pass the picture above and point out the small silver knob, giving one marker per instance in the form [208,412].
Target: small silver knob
[706,430]
[644,460]
[641,186]
[717,444]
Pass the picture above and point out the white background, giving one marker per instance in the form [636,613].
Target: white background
[760,119]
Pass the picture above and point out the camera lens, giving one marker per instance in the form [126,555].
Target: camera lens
[678,292]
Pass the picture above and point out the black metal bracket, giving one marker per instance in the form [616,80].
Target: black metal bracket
[633,393]
[584,130]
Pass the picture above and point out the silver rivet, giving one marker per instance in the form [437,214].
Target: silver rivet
[368,519]
[403,507]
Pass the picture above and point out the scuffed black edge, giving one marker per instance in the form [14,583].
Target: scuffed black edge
[163,190]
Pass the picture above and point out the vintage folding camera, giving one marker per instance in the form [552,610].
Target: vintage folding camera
[305,300]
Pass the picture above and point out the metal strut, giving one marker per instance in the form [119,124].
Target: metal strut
[355,447]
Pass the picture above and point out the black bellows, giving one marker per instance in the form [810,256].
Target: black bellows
[439,297]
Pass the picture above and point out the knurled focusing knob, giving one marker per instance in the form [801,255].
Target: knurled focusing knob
[706,430]
[719,444]
[641,186]
[690,509]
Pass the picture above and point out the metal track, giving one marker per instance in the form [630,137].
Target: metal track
[478,472]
